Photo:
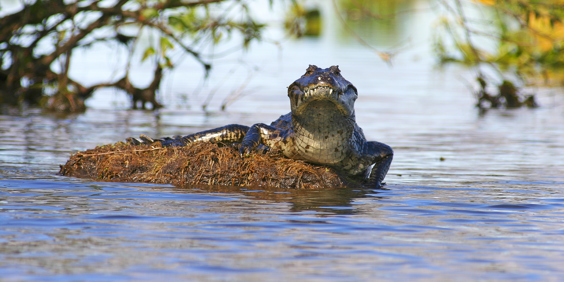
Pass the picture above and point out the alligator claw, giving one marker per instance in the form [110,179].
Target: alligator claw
[262,149]
[244,151]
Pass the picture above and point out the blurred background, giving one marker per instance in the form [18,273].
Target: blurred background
[66,56]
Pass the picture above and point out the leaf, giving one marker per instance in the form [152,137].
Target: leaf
[176,22]
[148,52]
[165,44]
[149,13]
[61,35]
[486,2]
[168,62]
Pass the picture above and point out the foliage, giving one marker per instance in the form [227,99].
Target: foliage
[520,37]
[306,20]
[28,75]
[303,22]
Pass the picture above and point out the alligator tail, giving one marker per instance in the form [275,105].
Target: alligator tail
[233,133]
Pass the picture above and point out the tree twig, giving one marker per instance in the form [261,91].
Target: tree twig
[121,152]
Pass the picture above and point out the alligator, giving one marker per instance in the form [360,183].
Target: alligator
[320,129]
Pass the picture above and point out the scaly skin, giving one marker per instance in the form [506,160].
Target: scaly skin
[320,129]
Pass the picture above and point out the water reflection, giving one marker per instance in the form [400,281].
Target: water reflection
[72,229]
[333,201]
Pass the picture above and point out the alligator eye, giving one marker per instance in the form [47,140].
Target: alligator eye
[335,69]
[311,69]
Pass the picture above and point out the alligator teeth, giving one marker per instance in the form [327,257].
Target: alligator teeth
[309,92]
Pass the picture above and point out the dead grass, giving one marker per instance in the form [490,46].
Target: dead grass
[197,164]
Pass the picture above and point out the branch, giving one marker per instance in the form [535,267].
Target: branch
[170,34]
[81,155]
[10,24]
[102,21]
[176,3]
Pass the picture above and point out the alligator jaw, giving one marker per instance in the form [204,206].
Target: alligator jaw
[318,93]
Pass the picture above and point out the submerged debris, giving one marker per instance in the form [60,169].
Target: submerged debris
[198,163]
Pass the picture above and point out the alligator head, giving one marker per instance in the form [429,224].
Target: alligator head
[323,89]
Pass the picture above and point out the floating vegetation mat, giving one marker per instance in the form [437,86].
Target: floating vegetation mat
[197,164]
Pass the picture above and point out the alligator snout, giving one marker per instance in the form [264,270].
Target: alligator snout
[323,80]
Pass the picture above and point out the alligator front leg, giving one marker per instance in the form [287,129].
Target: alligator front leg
[382,155]
[233,133]
[267,135]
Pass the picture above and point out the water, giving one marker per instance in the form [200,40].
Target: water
[469,196]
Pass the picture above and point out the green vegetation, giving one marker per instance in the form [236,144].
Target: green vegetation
[28,77]
[513,42]
[520,40]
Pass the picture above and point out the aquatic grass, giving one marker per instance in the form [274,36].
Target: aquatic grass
[197,164]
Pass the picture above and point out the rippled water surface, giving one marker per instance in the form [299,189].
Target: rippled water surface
[469,196]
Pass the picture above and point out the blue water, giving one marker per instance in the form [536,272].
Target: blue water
[468,196]
[64,229]
[493,209]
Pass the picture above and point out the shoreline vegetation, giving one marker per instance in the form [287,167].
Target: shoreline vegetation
[516,41]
